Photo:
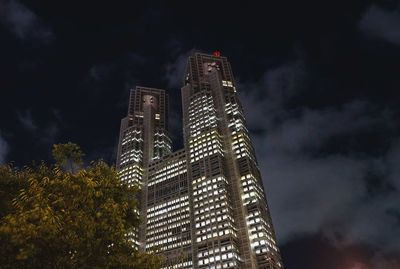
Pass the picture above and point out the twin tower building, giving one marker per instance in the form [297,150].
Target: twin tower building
[204,205]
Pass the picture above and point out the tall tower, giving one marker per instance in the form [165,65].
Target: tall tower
[144,137]
[204,205]
[229,204]
[144,134]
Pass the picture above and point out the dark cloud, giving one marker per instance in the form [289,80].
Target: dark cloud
[3,149]
[175,125]
[23,22]
[317,171]
[99,73]
[278,85]
[45,135]
[377,262]
[381,23]
[101,77]
[125,63]
[380,262]
[49,134]
[324,124]
[174,70]
[108,153]
[25,117]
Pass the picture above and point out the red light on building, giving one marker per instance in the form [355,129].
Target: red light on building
[217,53]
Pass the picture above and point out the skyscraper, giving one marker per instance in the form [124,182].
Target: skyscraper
[204,205]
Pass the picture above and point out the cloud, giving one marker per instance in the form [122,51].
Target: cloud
[3,149]
[381,23]
[173,75]
[49,134]
[100,72]
[122,71]
[320,168]
[23,22]
[175,126]
[25,118]
[278,85]
[360,266]
[379,262]
[45,135]
[107,153]
[122,66]
[174,70]
[319,173]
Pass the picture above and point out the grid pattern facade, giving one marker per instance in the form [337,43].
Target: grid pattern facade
[203,206]
[168,210]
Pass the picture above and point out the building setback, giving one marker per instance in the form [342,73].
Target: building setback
[204,205]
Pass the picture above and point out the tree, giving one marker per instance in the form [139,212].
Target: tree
[65,217]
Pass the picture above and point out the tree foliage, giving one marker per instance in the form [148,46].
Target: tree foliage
[62,218]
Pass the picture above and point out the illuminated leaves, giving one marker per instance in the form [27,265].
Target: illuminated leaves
[62,218]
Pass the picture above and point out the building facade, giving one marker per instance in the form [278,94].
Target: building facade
[203,206]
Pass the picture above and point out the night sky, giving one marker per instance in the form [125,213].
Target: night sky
[319,82]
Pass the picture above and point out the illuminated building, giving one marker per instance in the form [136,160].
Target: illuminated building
[204,205]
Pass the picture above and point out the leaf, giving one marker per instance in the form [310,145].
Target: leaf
[72,221]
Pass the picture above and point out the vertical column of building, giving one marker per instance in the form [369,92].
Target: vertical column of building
[149,112]
[168,213]
[130,153]
[218,70]
[252,223]
[143,135]
[252,203]
[162,140]
[214,233]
